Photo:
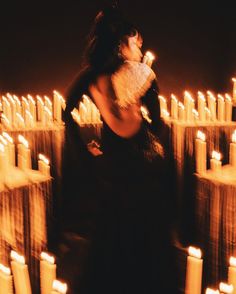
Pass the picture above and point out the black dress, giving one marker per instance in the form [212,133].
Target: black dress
[130,249]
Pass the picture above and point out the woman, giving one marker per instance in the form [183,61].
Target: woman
[121,208]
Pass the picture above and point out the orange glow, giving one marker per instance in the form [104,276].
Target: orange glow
[188,95]
[174,97]
[234,80]
[45,256]
[181,105]
[226,288]
[39,99]
[220,97]
[150,55]
[17,257]
[165,113]
[195,252]
[228,97]
[162,98]
[201,135]
[48,100]
[216,155]
[31,98]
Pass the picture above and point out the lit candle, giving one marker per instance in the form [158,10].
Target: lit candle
[145,114]
[40,107]
[59,287]
[148,58]
[25,106]
[221,108]
[83,113]
[208,114]
[48,103]
[43,165]
[11,149]
[174,107]
[47,273]
[6,282]
[3,159]
[32,106]
[200,151]
[215,162]
[6,152]
[232,273]
[211,291]
[201,106]
[195,115]
[20,122]
[24,154]
[57,103]
[189,106]
[234,91]
[18,104]
[29,120]
[20,274]
[163,105]
[228,108]
[181,111]
[7,109]
[47,115]
[211,100]
[193,283]
[226,288]
[75,115]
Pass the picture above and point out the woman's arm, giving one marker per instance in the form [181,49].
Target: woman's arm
[125,122]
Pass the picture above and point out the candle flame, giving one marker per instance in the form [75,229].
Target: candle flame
[216,155]
[45,256]
[86,98]
[226,288]
[208,110]
[220,97]
[48,100]
[195,252]
[43,158]
[181,105]
[17,257]
[31,98]
[9,95]
[232,261]
[39,99]
[162,98]
[6,101]
[4,141]
[195,112]
[82,105]
[234,80]
[165,113]
[188,95]
[228,97]
[211,291]
[201,135]
[201,96]
[46,109]
[5,270]
[29,114]
[150,55]
[23,141]
[174,97]
[59,287]
[20,117]
[8,137]
[25,100]
[5,118]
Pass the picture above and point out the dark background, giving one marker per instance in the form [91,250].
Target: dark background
[42,43]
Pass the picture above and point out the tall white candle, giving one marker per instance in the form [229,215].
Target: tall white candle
[40,109]
[232,273]
[32,106]
[215,162]
[20,122]
[201,101]
[25,106]
[57,106]
[59,287]
[228,108]
[174,107]
[48,115]
[6,281]
[48,103]
[226,288]
[220,108]
[43,165]
[193,283]
[83,113]
[195,115]
[47,273]
[208,114]
[3,159]
[200,151]
[20,274]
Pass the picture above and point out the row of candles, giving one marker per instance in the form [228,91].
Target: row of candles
[27,112]
[209,106]
[215,161]
[193,281]
[87,112]
[8,158]
[20,278]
